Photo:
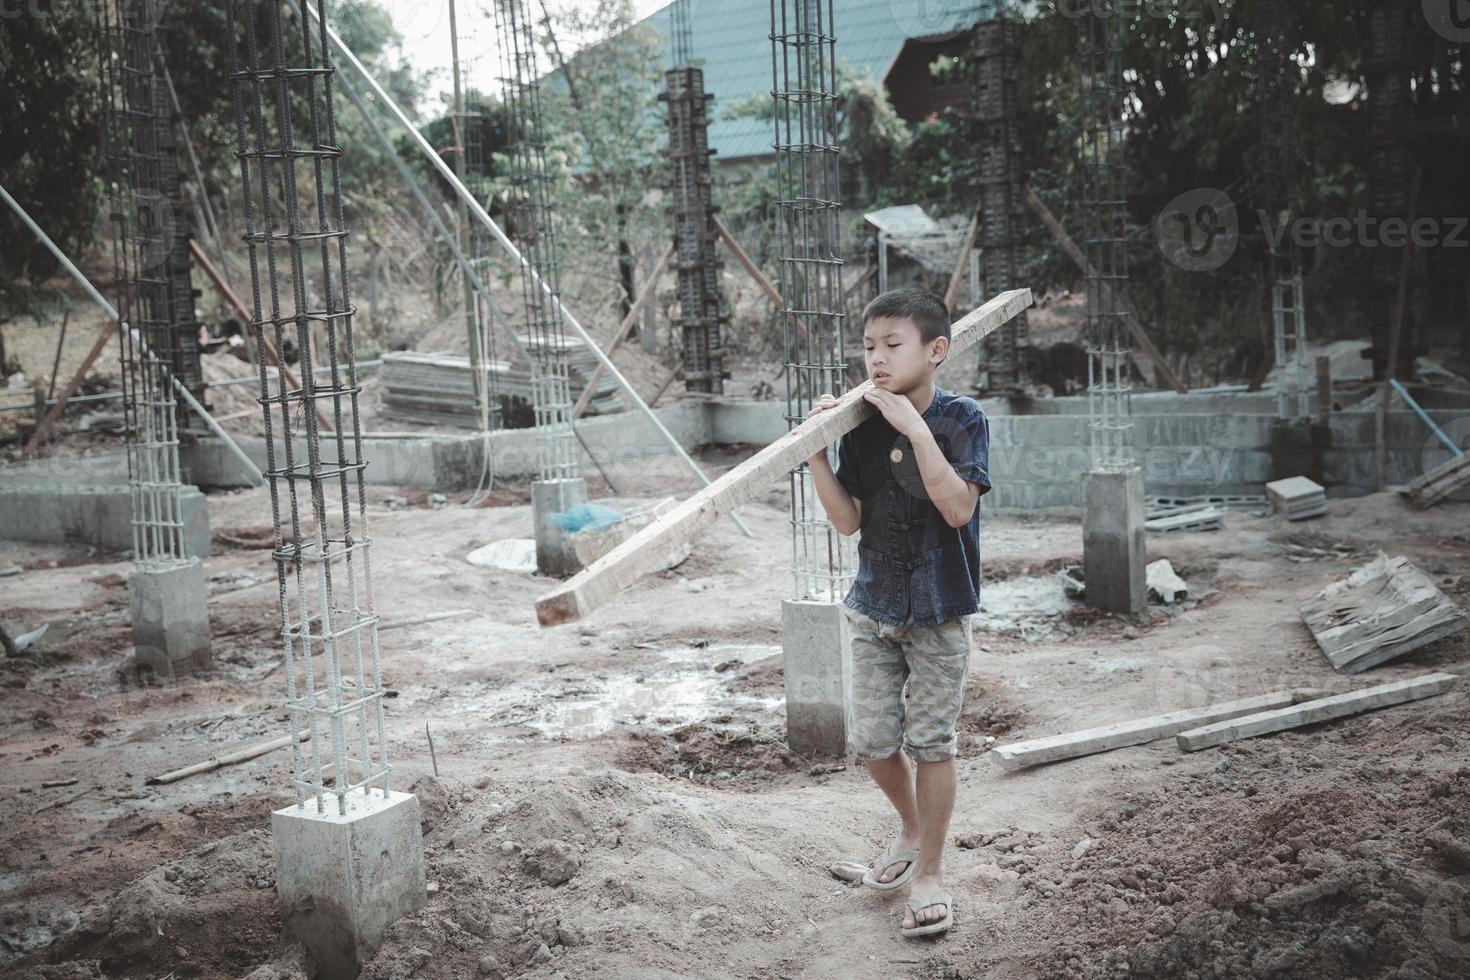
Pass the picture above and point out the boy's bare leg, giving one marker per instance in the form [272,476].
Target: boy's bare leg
[936,803]
[893,777]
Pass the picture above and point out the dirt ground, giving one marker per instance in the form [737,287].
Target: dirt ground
[614,797]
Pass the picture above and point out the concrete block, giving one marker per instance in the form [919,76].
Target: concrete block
[817,661]
[97,515]
[1113,554]
[343,879]
[170,614]
[556,553]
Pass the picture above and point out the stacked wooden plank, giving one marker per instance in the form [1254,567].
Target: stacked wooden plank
[1380,611]
[1448,477]
[1297,497]
[438,389]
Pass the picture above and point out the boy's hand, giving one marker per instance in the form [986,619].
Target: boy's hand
[822,404]
[897,409]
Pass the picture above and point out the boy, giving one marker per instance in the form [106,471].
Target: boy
[909,479]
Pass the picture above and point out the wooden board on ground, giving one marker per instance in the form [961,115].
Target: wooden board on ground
[652,546]
[1380,611]
[1448,477]
[1136,731]
[1312,712]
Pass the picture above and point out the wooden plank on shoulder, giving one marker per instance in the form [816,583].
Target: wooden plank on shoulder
[1136,731]
[1312,712]
[653,546]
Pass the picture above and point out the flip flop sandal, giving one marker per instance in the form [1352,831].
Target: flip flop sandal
[888,860]
[930,928]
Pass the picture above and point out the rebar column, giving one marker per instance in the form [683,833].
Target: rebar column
[291,192]
[531,226]
[1279,151]
[1105,240]
[702,315]
[993,52]
[167,592]
[808,215]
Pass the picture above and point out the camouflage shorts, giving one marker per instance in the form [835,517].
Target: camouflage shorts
[932,660]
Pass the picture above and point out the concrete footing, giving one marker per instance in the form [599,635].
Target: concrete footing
[817,663]
[555,550]
[98,515]
[170,613]
[343,880]
[1113,555]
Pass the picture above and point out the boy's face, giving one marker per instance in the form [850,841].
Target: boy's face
[896,358]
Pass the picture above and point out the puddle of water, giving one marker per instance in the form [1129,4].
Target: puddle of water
[1028,606]
[683,688]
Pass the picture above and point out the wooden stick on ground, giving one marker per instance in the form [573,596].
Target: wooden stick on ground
[228,759]
[1135,329]
[650,286]
[959,267]
[103,336]
[1136,731]
[653,546]
[244,314]
[1312,712]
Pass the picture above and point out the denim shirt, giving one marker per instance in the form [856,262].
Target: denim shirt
[910,561]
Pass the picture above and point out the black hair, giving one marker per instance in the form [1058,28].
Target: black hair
[921,306]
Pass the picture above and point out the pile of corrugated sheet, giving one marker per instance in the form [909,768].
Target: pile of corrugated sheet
[439,388]
[1381,610]
[1451,476]
[1297,497]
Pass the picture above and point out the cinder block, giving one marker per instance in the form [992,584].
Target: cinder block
[555,550]
[343,879]
[1113,554]
[817,663]
[170,613]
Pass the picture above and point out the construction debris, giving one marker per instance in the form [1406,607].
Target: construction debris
[229,759]
[1448,477]
[439,388]
[1136,732]
[1297,497]
[1380,611]
[1312,712]
[1203,517]
[1164,584]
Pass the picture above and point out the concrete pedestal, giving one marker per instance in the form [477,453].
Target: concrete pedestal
[170,614]
[343,880]
[555,554]
[1113,554]
[817,663]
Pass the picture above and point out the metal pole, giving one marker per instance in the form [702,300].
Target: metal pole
[1409,400]
[479,213]
[179,389]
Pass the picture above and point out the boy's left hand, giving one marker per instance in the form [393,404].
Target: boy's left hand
[897,409]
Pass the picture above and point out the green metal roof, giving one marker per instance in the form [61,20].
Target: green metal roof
[731,40]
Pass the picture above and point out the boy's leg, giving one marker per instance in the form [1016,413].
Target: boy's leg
[938,659]
[875,725]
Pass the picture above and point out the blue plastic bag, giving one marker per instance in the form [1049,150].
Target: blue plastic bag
[584,517]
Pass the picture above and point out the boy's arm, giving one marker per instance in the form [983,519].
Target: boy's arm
[844,510]
[955,483]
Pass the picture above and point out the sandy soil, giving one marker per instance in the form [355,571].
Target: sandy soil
[615,798]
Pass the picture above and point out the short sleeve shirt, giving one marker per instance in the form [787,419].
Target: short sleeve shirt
[910,561]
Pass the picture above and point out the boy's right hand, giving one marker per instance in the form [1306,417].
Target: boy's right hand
[822,404]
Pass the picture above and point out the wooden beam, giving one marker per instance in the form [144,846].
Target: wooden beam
[1312,712]
[958,275]
[650,286]
[1137,731]
[652,546]
[1401,299]
[1135,329]
[244,314]
[749,265]
[103,336]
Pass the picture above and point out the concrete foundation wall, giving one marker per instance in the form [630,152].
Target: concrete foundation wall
[100,516]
